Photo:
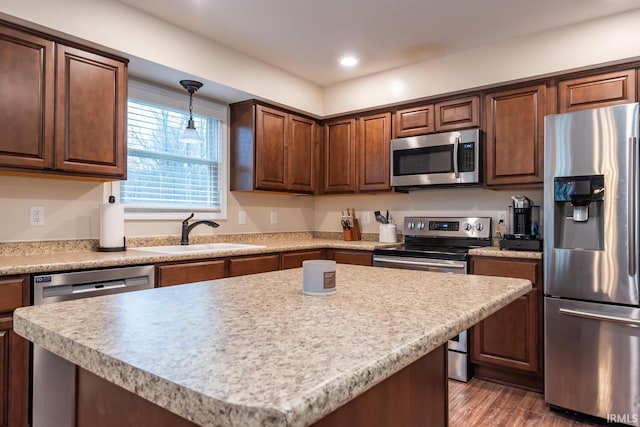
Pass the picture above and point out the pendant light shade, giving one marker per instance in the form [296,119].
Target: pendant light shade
[190,135]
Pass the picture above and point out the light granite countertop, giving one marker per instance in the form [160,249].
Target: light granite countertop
[253,351]
[495,251]
[60,261]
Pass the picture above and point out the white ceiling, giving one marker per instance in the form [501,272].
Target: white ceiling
[305,37]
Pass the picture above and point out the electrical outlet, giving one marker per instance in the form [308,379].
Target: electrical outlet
[502,216]
[242,217]
[366,217]
[36,215]
[273,215]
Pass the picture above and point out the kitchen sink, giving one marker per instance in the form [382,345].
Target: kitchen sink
[204,247]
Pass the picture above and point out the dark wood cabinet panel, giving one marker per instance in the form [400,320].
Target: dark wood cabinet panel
[295,259]
[599,90]
[374,166]
[345,256]
[271,141]
[253,264]
[27,113]
[14,354]
[177,274]
[515,136]
[91,99]
[302,155]
[457,114]
[413,121]
[340,156]
[508,345]
[272,149]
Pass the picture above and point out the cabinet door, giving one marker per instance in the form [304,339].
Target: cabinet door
[302,166]
[295,259]
[340,156]
[457,114]
[14,362]
[254,264]
[413,121]
[27,102]
[352,257]
[511,337]
[177,274]
[271,140]
[597,91]
[91,99]
[373,167]
[515,136]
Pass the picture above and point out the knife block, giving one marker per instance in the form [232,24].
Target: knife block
[354,232]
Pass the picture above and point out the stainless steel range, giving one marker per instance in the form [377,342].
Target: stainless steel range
[440,244]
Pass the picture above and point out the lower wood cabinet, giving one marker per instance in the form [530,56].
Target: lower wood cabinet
[346,256]
[295,259]
[507,346]
[14,354]
[253,264]
[177,274]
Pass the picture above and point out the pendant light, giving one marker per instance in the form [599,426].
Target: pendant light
[190,135]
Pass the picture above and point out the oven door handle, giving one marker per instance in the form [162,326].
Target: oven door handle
[460,265]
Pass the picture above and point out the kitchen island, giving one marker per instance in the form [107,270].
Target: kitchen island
[253,350]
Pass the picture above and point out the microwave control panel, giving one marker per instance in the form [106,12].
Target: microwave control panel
[466,157]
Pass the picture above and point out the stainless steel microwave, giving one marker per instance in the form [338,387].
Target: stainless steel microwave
[449,158]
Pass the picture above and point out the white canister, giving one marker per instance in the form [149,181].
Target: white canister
[318,277]
[388,233]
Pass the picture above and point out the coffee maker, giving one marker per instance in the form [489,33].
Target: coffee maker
[523,232]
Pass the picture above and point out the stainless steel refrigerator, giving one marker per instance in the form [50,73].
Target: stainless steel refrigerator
[592,306]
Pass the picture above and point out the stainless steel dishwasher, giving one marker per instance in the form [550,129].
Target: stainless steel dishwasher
[53,378]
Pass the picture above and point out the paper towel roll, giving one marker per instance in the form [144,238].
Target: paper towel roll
[111,225]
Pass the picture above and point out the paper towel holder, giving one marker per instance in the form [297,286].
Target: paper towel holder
[122,248]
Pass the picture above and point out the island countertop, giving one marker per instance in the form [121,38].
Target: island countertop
[253,350]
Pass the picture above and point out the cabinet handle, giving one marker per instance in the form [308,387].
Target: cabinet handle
[604,317]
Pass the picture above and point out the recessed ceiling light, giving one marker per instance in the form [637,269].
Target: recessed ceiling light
[348,61]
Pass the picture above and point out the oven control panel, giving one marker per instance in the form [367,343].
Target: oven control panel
[474,227]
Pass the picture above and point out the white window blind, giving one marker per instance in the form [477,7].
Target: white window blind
[163,174]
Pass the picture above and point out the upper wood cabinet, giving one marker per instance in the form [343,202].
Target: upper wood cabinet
[457,114]
[27,103]
[340,156]
[62,113]
[599,90]
[414,121]
[515,136]
[272,149]
[373,160]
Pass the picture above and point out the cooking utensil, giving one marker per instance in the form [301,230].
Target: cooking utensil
[381,219]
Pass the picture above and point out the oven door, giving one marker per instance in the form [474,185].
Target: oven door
[423,264]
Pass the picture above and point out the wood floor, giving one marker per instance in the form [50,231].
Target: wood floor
[482,403]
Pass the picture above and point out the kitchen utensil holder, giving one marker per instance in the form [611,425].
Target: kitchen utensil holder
[354,232]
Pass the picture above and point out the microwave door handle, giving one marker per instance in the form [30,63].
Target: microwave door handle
[631,209]
[456,172]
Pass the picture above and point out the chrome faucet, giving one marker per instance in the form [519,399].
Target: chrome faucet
[186,228]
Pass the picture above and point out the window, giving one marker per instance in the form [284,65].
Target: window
[167,179]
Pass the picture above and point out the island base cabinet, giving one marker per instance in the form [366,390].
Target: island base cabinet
[104,404]
[415,396]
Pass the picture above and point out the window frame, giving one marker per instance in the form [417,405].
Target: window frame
[180,100]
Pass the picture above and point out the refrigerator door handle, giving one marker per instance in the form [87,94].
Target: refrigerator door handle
[633,162]
[605,317]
